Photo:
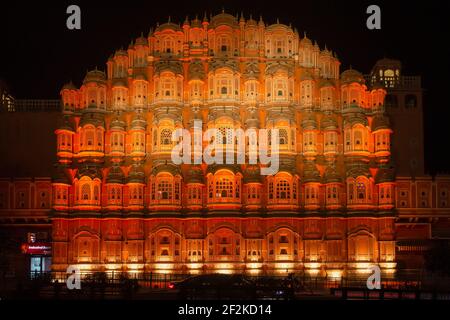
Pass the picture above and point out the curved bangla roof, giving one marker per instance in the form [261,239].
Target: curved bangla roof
[118,123]
[91,117]
[329,122]
[355,170]
[166,167]
[89,170]
[309,122]
[230,167]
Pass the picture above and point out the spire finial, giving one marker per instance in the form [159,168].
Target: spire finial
[278,21]
[168,20]
[223,9]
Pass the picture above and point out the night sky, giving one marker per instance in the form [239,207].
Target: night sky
[39,54]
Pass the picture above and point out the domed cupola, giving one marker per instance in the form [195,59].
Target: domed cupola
[224,19]
[115,175]
[121,53]
[93,90]
[251,22]
[196,23]
[142,41]
[168,26]
[352,76]
[305,41]
[95,76]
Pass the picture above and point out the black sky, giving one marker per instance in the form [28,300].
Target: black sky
[39,54]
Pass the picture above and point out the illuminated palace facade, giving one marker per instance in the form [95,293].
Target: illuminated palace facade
[119,203]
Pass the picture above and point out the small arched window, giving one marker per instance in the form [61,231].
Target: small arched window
[85,191]
[166,137]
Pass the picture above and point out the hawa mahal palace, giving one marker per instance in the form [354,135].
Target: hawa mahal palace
[119,203]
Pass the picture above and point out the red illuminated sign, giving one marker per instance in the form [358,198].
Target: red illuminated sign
[36,248]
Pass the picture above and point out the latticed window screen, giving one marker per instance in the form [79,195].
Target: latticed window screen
[283,190]
[283,136]
[271,190]
[361,190]
[224,188]
[85,191]
[166,137]
[226,135]
[165,190]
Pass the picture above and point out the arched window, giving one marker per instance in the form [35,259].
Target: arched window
[283,136]
[86,191]
[89,137]
[361,190]
[357,140]
[166,137]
